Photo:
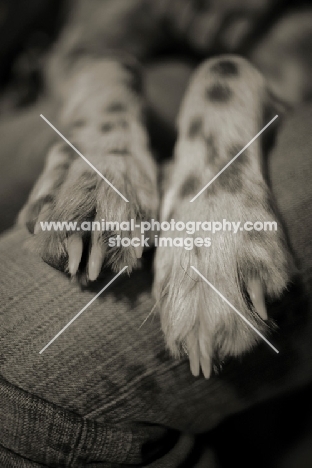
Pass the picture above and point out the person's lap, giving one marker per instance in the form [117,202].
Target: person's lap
[108,368]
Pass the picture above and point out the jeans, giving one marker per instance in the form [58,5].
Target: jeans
[106,393]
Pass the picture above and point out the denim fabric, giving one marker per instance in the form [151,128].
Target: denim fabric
[106,391]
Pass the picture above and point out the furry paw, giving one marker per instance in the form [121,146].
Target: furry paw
[71,192]
[104,118]
[244,267]
[224,108]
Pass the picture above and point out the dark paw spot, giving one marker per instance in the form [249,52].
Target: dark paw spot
[195,128]
[225,68]
[110,126]
[229,183]
[219,93]
[241,161]
[232,179]
[189,186]
[235,149]
[253,236]
[211,190]
[116,107]
[107,127]
[47,199]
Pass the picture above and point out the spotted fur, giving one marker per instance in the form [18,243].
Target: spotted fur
[193,316]
[92,72]
[104,119]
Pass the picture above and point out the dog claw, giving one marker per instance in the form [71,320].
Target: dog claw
[74,249]
[95,261]
[138,251]
[206,367]
[256,294]
[193,353]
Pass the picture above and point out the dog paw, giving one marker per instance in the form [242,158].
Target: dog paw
[73,197]
[200,285]
[211,290]
[105,124]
